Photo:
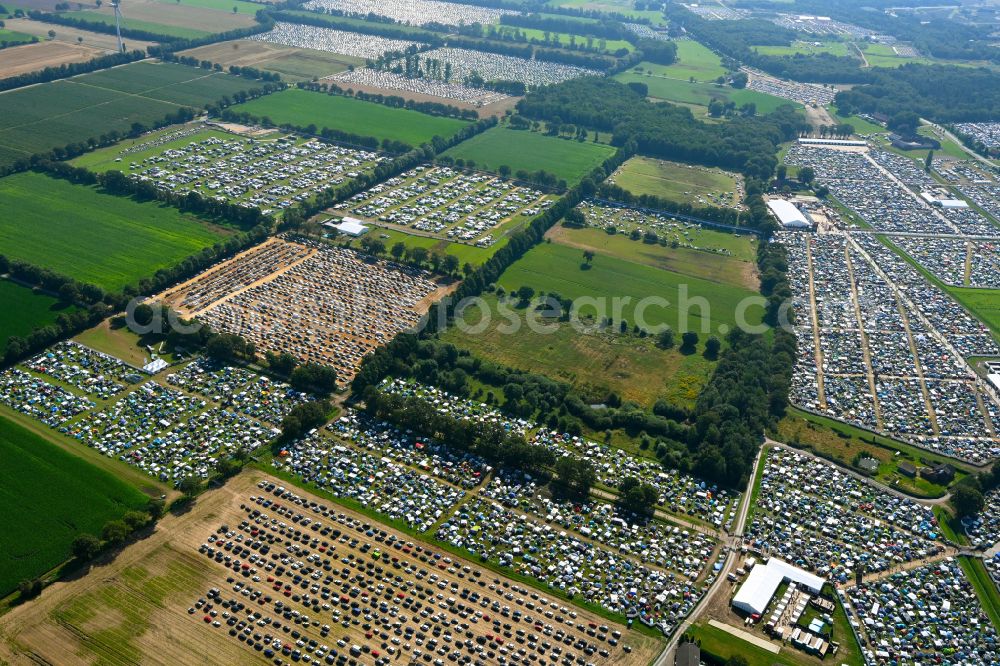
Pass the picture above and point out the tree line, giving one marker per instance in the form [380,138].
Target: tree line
[166,43]
[663,130]
[67,70]
[251,73]
[945,93]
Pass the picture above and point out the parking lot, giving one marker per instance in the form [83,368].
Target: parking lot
[279,576]
[882,348]
[333,41]
[448,203]
[319,303]
[414,12]
[268,173]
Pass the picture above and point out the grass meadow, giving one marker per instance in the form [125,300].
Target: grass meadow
[693,59]
[672,180]
[93,237]
[22,311]
[737,270]
[522,149]
[49,497]
[700,94]
[304,108]
[602,361]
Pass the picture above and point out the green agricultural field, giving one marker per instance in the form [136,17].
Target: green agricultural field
[553,267]
[810,47]
[304,108]
[563,40]
[679,182]
[693,59]
[983,303]
[93,237]
[613,6]
[532,151]
[49,497]
[39,118]
[136,24]
[738,269]
[14,37]
[595,364]
[22,311]
[700,94]
[883,55]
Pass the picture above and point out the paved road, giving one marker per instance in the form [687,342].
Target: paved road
[732,546]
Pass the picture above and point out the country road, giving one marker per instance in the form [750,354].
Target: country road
[732,546]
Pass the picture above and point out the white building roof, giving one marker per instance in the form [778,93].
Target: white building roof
[350,226]
[787,213]
[759,587]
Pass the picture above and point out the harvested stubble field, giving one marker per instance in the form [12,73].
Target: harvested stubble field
[39,118]
[64,496]
[135,607]
[303,108]
[291,62]
[94,237]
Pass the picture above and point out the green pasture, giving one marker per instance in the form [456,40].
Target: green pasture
[553,267]
[50,496]
[22,311]
[93,237]
[700,94]
[531,151]
[304,108]
[679,182]
[693,59]
[242,6]
[737,269]
[807,47]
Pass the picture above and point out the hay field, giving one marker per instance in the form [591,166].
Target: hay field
[292,63]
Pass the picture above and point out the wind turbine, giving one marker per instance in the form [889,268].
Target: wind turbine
[118,24]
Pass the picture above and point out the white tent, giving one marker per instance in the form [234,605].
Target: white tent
[759,587]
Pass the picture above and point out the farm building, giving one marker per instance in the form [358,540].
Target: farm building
[788,214]
[759,587]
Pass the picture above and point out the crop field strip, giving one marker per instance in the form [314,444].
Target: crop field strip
[94,237]
[303,108]
[40,118]
[32,469]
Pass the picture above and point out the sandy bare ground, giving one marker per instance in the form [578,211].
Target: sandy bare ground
[64,49]
[134,607]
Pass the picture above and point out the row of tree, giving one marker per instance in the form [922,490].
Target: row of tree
[67,70]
